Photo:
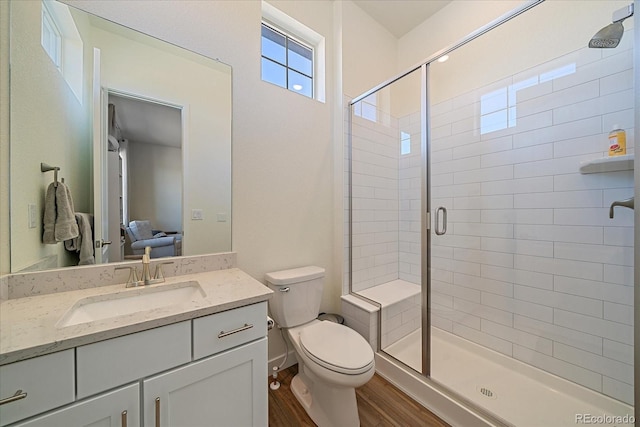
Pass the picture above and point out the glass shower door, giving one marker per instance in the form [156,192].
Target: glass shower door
[532,282]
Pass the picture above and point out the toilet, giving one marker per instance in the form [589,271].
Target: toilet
[332,359]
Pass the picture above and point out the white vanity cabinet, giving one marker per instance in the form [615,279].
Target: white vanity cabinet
[119,408]
[208,371]
[108,364]
[228,389]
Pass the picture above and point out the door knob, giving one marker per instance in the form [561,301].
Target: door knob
[101,243]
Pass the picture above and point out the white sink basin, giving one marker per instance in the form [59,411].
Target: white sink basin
[136,300]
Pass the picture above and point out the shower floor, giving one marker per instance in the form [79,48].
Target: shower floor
[514,391]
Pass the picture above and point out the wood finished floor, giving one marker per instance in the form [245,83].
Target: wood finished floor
[380,404]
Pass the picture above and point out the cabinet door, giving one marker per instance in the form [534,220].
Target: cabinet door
[228,389]
[119,408]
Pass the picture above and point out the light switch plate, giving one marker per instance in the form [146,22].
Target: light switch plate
[197,214]
[33,215]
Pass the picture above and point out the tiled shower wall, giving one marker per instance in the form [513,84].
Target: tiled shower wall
[386,200]
[375,151]
[410,182]
[532,266]
[386,217]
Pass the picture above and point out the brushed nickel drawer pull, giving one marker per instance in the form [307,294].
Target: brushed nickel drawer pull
[124,419]
[223,334]
[157,412]
[17,396]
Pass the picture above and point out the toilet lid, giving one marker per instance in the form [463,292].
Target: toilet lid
[336,347]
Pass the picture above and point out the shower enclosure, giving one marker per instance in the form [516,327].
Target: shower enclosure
[479,196]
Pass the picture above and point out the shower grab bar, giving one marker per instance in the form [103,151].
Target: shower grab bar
[438,230]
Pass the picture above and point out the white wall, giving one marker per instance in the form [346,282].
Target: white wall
[369,51]
[60,139]
[448,26]
[155,190]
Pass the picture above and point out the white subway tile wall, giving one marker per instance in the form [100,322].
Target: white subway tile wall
[361,317]
[375,190]
[531,265]
[386,205]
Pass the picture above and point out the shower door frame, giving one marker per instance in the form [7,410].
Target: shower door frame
[425,174]
[425,191]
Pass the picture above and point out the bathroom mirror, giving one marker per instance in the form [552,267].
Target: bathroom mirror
[164,156]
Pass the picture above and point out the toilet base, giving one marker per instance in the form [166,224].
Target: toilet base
[327,406]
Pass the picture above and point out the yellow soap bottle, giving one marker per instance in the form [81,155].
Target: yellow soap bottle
[617,141]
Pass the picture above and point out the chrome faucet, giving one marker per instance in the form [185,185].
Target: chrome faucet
[627,203]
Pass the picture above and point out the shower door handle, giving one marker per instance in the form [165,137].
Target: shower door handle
[440,231]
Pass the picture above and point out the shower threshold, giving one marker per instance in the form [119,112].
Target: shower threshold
[516,392]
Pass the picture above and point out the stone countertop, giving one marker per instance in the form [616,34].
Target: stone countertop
[29,325]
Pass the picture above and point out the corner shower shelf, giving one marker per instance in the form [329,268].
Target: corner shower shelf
[608,164]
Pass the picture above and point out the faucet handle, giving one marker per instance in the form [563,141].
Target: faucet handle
[133,275]
[159,274]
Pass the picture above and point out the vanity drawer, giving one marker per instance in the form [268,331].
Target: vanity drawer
[221,331]
[107,364]
[48,382]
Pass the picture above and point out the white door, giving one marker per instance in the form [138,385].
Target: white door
[228,389]
[100,178]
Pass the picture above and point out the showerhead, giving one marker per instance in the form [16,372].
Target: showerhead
[610,36]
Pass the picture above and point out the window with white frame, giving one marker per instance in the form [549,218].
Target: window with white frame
[51,38]
[61,40]
[286,61]
[292,54]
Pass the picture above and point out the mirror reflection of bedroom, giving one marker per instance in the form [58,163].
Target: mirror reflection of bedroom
[145,177]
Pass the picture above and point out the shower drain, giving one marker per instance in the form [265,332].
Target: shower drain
[486,392]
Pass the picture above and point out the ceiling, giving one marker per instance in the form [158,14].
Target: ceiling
[401,16]
[148,122]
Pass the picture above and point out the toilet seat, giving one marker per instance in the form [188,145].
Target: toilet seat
[337,348]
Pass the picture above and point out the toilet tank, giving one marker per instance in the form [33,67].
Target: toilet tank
[297,295]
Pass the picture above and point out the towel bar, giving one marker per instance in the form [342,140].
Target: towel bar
[46,168]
